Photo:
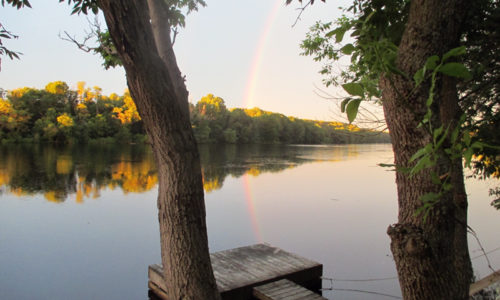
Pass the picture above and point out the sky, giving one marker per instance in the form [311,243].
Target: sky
[244,51]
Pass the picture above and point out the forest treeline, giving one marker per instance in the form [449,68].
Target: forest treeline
[58,114]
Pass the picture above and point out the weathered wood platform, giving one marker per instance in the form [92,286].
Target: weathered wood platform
[238,270]
[284,290]
[477,286]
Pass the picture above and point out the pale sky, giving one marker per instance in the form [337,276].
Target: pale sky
[244,51]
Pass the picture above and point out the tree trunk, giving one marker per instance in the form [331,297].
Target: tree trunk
[431,255]
[154,88]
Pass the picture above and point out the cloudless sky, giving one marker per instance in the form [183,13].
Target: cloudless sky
[244,51]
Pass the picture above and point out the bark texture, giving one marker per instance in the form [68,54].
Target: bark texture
[159,92]
[431,256]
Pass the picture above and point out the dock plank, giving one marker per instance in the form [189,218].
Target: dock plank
[237,270]
[284,290]
[477,286]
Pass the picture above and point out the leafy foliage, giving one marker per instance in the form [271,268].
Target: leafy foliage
[176,10]
[374,29]
[17,3]
[5,34]
[480,97]
[60,115]
[214,123]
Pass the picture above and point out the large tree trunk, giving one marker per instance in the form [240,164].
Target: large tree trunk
[154,84]
[431,255]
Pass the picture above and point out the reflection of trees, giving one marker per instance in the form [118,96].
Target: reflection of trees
[84,171]
[220,161]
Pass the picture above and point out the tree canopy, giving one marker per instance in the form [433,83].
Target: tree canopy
[58,114]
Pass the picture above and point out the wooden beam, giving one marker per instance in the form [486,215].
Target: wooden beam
[484,283]
[284,290]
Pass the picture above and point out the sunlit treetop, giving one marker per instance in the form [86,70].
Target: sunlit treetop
[65,120]
[57,87]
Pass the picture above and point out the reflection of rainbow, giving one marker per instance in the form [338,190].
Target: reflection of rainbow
[251,207]
[248,97]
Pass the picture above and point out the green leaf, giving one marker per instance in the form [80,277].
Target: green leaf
[344,103]
[437,132]
[430,199]
[339,35]
[421,152]
[395,70]
[468,157]
[347,49]
[435,178]
[419,76]
[338,32]
[431,62]
[455,70]
[454,134]
[353,88]
[352,109]
[477,145]
[441,139]
[466,138]
[454,52]
[354,57]
[386,165]
[423,163]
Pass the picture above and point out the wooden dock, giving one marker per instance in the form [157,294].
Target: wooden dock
[284,289]
[477,286]
[238,271]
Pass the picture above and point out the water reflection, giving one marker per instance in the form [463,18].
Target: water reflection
[59,172]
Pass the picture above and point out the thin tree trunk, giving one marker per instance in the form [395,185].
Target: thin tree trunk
[184,244]
[431,255]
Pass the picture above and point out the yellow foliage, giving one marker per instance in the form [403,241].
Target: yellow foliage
[254,112]
[211,185]
[128,112]
[352,127]
[134,176]
[18,192]
[488,162]
[114,97]
[65,120]
[4,177]
[81,107]
[5,106]
[254,172]
[64,164]
[53,196]
[57,87]
[79,196]
[80,88]
[18,93]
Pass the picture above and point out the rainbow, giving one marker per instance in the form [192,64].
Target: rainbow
[248,97]
[251,207]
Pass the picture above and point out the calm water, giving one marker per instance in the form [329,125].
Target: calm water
[82,223]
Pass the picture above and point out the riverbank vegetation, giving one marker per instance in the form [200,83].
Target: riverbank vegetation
[58,114]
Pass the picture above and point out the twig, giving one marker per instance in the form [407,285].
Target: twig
[474,234]
[82,46]
[301,10]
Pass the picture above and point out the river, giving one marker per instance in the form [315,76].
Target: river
[81,222]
